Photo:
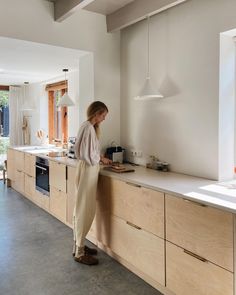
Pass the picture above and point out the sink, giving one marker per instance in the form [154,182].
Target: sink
[37,147]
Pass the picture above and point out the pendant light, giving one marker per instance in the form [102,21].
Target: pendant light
[148,92]
[65,100]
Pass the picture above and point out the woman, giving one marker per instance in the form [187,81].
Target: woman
[88,153]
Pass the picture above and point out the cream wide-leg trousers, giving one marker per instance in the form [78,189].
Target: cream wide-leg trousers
[85,203]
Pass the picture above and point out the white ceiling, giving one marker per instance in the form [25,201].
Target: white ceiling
[23,61]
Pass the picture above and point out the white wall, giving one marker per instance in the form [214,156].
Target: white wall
[182,129]
[32,20]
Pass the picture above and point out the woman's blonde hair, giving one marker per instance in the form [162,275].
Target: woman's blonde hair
[96,107]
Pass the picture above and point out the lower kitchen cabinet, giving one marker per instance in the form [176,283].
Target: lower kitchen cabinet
[70,193]
[58,203]
[29,186]
[29,164]
[57,175]
[187,274]
[130,224]
[11,167]
[139,248]
[42,200]
[201,229]
[19,182]
[133,203]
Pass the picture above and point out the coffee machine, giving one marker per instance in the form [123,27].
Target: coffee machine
[71,147]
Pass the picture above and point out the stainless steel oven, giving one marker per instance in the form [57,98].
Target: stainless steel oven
[42,175]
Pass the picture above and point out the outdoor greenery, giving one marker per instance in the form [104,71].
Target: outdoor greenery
[3,98]
[4,143]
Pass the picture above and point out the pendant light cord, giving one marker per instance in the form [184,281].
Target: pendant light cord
[148,48]
[65,71]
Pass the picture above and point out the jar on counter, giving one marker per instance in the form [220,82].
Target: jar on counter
[165,167]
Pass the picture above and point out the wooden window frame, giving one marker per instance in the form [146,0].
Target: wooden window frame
[51,88]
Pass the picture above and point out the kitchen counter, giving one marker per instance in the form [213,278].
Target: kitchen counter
[221,195]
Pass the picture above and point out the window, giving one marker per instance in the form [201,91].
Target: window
[58,123]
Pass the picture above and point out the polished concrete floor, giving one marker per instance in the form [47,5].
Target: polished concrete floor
[35,257]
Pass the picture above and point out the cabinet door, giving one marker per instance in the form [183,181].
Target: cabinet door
[11,165]
[57,175]
[186,274]
[205,231]
[29,164]
[42,200]
[20,160]
[19,183]
[143,250]
[70,193]
[29,186]
[58,202]
[141,206]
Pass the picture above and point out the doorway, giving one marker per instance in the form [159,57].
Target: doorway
[4,126]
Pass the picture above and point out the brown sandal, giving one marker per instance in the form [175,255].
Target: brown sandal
[90,251]
[86,259]
[87,250]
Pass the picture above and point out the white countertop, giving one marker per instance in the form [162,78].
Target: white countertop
[221,195]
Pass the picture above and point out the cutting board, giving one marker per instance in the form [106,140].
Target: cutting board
[123,170]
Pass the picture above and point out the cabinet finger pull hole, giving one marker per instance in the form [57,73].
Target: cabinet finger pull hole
[133,184]
[133,225]
[195,255]
[195,203]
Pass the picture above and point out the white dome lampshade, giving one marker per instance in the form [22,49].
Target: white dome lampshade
[148,92]
[65,100]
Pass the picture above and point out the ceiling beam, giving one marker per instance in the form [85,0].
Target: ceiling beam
[136,11]
[63,9]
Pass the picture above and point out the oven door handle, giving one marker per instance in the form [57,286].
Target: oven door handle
[41,168]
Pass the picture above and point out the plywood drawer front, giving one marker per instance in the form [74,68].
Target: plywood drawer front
[11,165]
[20,160]
[205,231]
[42,200]
[19,183]
[104,192]
[57,175]
[141,206]
[29,186]
[58,201]
[187,275]
[70,193]
[29,165]
[143,250]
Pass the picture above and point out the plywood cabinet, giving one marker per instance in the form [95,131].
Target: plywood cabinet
[15,169]
[20,161]
[70,193]
[57,175]
[58,202]
[203,230]
[129,221]
[138,247]
[199,248]
[11,165]
[29,165]
[58,189]
[19,181]
[29,187]
[186,274]
[133,203]
[42,200]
